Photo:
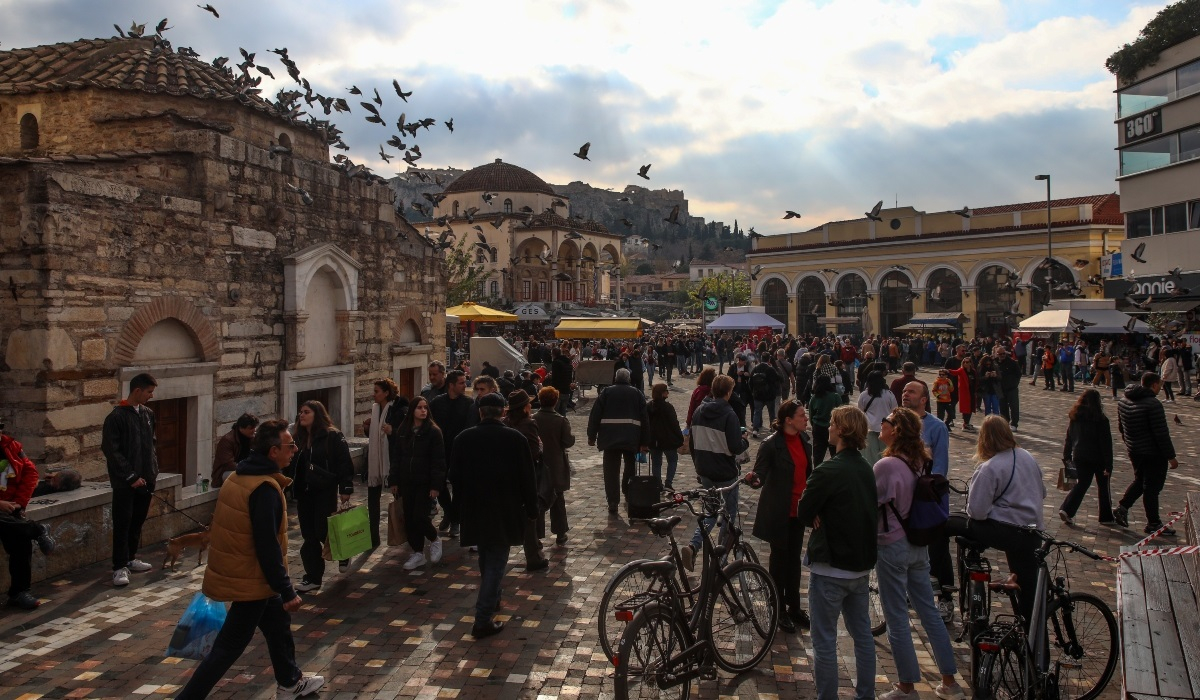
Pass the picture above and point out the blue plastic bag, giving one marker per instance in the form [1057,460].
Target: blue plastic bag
[197,629]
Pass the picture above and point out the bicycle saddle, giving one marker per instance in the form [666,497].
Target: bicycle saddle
[1008,584]
[658,567]
[663,526]
[970,543]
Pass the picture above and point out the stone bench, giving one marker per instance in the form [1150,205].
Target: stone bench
[81,520]
[1158,613]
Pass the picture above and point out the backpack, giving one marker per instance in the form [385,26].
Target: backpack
[929,511]
[760,386]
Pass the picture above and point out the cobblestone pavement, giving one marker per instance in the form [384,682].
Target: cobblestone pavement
[380,632]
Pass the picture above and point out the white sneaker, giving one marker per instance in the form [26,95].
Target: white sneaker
[138,566]
[416,561]
[435,550]
[306,586]
[121,577]
[304,686]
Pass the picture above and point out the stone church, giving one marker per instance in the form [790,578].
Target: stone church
[146,224]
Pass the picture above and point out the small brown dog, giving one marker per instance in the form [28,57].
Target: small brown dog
[176,545]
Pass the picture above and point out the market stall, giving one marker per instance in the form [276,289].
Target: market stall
[745,321]
[470,311]
[1104,321]
[598,328]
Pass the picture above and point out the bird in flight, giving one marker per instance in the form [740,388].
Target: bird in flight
[673,217]
[304,196]
[583,151]
[210,8]
[899,267]
[965,212]
[450,125]
[756,271]
[384,155]
[789,214]
[628,200]
[873,215]
[643,170]
[1080,263]
[1142,305]
[404,95]
[829,271]
[1137,253]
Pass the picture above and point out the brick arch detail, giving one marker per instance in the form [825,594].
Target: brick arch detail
[161,309]
[413,314]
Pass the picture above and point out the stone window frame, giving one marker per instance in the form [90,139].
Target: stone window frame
[340,377]
[299,269]
[195,382]
[181,309]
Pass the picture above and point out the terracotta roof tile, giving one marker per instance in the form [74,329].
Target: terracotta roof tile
[499,177]
[1095,200]
[119,64]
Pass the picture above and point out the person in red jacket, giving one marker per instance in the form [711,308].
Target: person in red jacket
[18,479]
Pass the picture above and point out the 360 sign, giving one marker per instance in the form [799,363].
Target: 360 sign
[1143,126]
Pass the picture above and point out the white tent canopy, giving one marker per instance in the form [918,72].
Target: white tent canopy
[744,322]
[1082,321]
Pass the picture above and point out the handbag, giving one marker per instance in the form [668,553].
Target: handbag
[349,533]
[397,529]
[1068,475]
[197,629]
[642,492]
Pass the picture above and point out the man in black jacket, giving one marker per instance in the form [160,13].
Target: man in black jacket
[1143,425]
[764,387]
[452,413]
[1010,388]
[620,425]
[715,440]
[562,377]
[491,470]
[127,442]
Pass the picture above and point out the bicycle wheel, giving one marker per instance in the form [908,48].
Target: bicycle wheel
[653,637]
[878,621]
[1001,674]
[743,616]
[742,551]
[625,584]
[1083,644]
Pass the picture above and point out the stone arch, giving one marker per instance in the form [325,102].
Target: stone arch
[30,134]
[568,253]
[972,278]
[162,308]
[1030,273]
[812,276]
[529,249]
[300,269]
[923,279]
[408,317]
[762,283]
[775,298]
[884,272]
[612,252]
[837,279]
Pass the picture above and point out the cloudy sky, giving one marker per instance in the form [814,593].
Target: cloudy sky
[749,106]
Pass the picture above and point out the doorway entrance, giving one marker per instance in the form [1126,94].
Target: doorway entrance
[323,395]
[171,434]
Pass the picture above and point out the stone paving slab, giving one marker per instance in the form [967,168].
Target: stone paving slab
[381,632]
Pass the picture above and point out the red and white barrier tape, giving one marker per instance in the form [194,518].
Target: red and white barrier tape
[1159,551]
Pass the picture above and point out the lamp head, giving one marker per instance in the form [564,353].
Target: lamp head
[1041,177]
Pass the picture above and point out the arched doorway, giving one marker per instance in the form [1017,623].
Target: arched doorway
[775,298]
[852,302]
[996,287]
[944,292]
[1047,277]
[810,305]
[895,302]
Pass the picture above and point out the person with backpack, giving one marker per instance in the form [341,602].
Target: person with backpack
[902,568]
[820,407]
[764,387]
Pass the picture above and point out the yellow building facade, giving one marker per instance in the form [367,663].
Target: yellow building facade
[866,276]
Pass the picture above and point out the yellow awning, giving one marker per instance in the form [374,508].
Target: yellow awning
[470,311]
[598,328]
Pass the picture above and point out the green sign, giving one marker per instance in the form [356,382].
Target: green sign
[710,304]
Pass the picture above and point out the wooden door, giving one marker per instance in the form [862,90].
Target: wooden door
[171,435]
[322,395]
[407,380]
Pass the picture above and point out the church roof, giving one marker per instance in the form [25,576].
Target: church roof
[144,65]
[499,177]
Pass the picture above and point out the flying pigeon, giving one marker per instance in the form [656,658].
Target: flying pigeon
[304,196]
[756,271]
[405,95]
[450,125]
[1137,253]
[873,215]
[210,8]
[583,151]
[965,212]
[643,170]
[1080,263]
[673,217]
[789,214]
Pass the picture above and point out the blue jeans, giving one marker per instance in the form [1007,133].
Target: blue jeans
[656,457]
[267,615]
[756,412]
[493,560]
[827,598]
[991,404]
[903,573]
[731,505]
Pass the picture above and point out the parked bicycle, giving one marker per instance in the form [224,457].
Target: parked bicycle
[730,624]
[1070,649]
[631,580]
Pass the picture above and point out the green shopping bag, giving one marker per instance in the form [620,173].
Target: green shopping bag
[349,533]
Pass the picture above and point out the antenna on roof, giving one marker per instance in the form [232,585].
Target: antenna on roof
[897,200]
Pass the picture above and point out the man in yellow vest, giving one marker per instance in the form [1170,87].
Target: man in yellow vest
[247,566]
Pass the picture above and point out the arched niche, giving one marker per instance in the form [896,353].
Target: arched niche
[30,133]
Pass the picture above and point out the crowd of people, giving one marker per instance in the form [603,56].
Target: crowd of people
[494,460]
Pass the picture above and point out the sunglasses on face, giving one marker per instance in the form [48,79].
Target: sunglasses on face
[889,421]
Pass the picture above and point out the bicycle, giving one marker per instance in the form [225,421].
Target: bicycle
[630,579]
[1078,629]
[730,625]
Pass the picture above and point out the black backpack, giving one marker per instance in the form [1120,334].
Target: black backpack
[930,508]
[760,386]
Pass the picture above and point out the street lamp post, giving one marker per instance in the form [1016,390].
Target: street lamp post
[1049,243]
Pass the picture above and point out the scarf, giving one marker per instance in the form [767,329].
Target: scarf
[378,458]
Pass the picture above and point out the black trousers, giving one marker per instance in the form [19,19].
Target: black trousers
[1010,406]
[1018,546]
[276,624]
[17,536]
[129,509]
[313,509]
[615,478]
[1149,477]
[446,500]
[1075,498]
[416,516]
[374,493]
[784,565]
[558,513]
[820,442]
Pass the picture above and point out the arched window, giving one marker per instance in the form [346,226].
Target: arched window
[852,301]
[455,208]
[996,287]
[943,292]
[895,302]
[285,140]
[495,288]
[775,298]
[1058,274]
[508,206]
[493,254]
[810,306]
[29,132]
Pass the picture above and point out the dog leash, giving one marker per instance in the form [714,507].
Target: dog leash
[172,507]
